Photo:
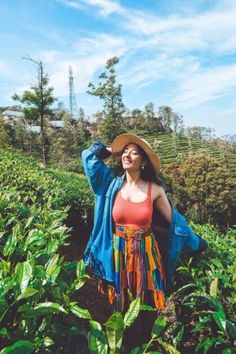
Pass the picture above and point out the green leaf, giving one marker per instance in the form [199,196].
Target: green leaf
[4,333]
[78,283]
[217,304]
[6,266]
[168,347]
[159,326]
[220,320]
[217,263]
[115,321]
[207,343]
[132,312]
[66,299]
[97,342]
[80,269]
[200,345]
[53,246]
[182,269]
[214,288]
[29,222]
[47,341]
[52,264]
[10,245]
[186,287]
[114,337]
[49,307]
[28,292]
[19,347]
[80,312]
[55,274]
[95,325]
[227,351]
[40,227]
[144,307]
[179,336]
[23,274]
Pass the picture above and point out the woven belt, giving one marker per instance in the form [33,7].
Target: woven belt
[129,233]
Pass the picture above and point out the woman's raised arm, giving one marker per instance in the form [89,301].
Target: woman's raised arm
[98,174]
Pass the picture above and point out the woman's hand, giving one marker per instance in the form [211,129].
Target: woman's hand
[116,156]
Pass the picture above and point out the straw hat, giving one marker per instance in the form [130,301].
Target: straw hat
[122,140]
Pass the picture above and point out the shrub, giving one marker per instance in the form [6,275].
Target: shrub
[210,191]
[38,311]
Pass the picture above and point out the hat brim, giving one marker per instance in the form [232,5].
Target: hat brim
[122,140]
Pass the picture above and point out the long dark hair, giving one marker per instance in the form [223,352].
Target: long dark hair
[147,172]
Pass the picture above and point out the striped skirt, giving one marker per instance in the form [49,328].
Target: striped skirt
[138,269]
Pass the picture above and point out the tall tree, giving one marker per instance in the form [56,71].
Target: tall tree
[37,102]
[150,116]
[177,123]
[166,115]
[110,92]
[137,118]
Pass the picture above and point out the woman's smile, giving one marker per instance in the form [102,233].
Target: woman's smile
[131,157]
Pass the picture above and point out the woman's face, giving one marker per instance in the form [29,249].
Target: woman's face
[131,158]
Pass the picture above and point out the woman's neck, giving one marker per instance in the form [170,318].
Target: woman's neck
[132,177]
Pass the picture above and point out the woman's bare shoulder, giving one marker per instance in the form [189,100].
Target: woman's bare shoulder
[157,191]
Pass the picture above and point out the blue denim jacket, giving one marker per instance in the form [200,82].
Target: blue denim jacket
[99,251]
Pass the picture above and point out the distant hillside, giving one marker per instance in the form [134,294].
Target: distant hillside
[175,149]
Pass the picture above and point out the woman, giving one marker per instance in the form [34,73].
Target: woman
[137,264]
[122,250]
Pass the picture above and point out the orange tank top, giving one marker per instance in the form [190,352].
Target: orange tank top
[126,213]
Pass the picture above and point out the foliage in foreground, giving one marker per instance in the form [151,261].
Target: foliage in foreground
[206,301]
[204,307]
[39,309]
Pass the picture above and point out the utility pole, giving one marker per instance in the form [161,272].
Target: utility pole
[72,98]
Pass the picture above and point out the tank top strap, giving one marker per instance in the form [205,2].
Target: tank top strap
[149,191]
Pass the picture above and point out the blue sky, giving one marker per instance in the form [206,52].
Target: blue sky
[177,52]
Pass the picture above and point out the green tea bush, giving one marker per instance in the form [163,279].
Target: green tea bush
[76,193]
[206,303]
[39,309]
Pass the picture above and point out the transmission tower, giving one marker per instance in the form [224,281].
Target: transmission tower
[72,98]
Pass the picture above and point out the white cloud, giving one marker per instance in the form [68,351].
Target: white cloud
[88,56]
[49,56]
[106,7]
[206,85]
[101,44]
[75,4]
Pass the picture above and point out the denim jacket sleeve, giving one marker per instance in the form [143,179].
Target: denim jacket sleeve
[98,174]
